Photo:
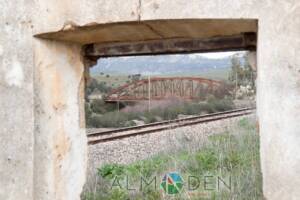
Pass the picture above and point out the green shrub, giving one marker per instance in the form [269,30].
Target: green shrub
[110,171]
[207,160]
[117,194]
[232,160]
[111,119]
[149,194]
[100,107]
[88,111]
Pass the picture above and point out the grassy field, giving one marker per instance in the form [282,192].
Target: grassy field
[216,74]
[232,157]
[112,80]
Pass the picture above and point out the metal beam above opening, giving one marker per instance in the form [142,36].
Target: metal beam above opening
[243,41]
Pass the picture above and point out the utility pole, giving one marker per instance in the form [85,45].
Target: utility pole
[149,93]
[118,104]
[236,80]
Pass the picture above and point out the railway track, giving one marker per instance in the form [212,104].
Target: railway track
[99,137]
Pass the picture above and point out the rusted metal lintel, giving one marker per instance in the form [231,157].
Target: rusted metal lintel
[244,41]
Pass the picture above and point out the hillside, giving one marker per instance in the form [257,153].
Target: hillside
[186,64]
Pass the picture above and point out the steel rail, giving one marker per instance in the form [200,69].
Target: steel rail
[174,124]
[166,122]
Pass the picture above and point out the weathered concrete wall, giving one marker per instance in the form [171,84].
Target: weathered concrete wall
[16,101]
[278,86]
[45,159]
[57,14]
[60,141]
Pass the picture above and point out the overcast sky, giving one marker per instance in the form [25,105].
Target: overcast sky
[218,55]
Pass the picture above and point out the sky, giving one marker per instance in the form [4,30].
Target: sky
[217,55]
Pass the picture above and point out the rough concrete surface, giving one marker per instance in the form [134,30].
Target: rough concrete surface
[16,101]
[60,135]
[131,31]
[41,127]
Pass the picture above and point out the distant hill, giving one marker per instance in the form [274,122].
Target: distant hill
[185,64]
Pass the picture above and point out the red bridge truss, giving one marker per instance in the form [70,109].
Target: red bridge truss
[163,87]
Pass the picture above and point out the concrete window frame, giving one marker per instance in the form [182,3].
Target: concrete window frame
[62,61]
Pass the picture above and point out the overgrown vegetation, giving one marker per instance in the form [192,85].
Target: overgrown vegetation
[232,155]
[106,117]
[242,74]
[96,86]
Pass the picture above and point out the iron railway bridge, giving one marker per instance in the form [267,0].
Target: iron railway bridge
[158,88]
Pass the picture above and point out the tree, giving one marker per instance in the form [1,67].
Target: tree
[236,71]
[88,113]
[97,106]
[249,73]
[91,85]
[241,74]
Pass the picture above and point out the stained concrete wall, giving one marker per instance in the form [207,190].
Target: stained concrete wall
[16,101]
[60,141]
[31,166]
